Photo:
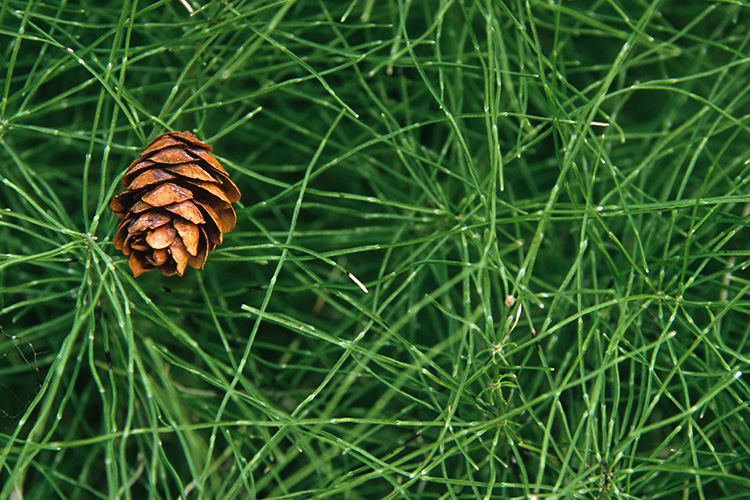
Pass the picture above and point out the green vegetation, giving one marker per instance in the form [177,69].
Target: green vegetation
[546,200]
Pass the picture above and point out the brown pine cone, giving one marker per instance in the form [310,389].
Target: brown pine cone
[176,205]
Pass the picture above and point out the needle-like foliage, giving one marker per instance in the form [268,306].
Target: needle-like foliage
[486,249]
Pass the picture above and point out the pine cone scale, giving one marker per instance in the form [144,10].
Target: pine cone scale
[213,223]
[161,237]
[230,190]
[149,220]
[159,257]
[190,235]
[180,256]
[212,190]
[190,170]
[188,211]
[150,177]
[170,156]
[204,246]
[166,194]
[163,141]
[135,169]
[176,205]
[209,158]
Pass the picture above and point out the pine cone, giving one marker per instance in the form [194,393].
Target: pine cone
[176,205]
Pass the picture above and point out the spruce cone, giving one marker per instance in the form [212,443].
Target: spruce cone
[176,205]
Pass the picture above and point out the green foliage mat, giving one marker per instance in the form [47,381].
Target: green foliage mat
[546,202]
